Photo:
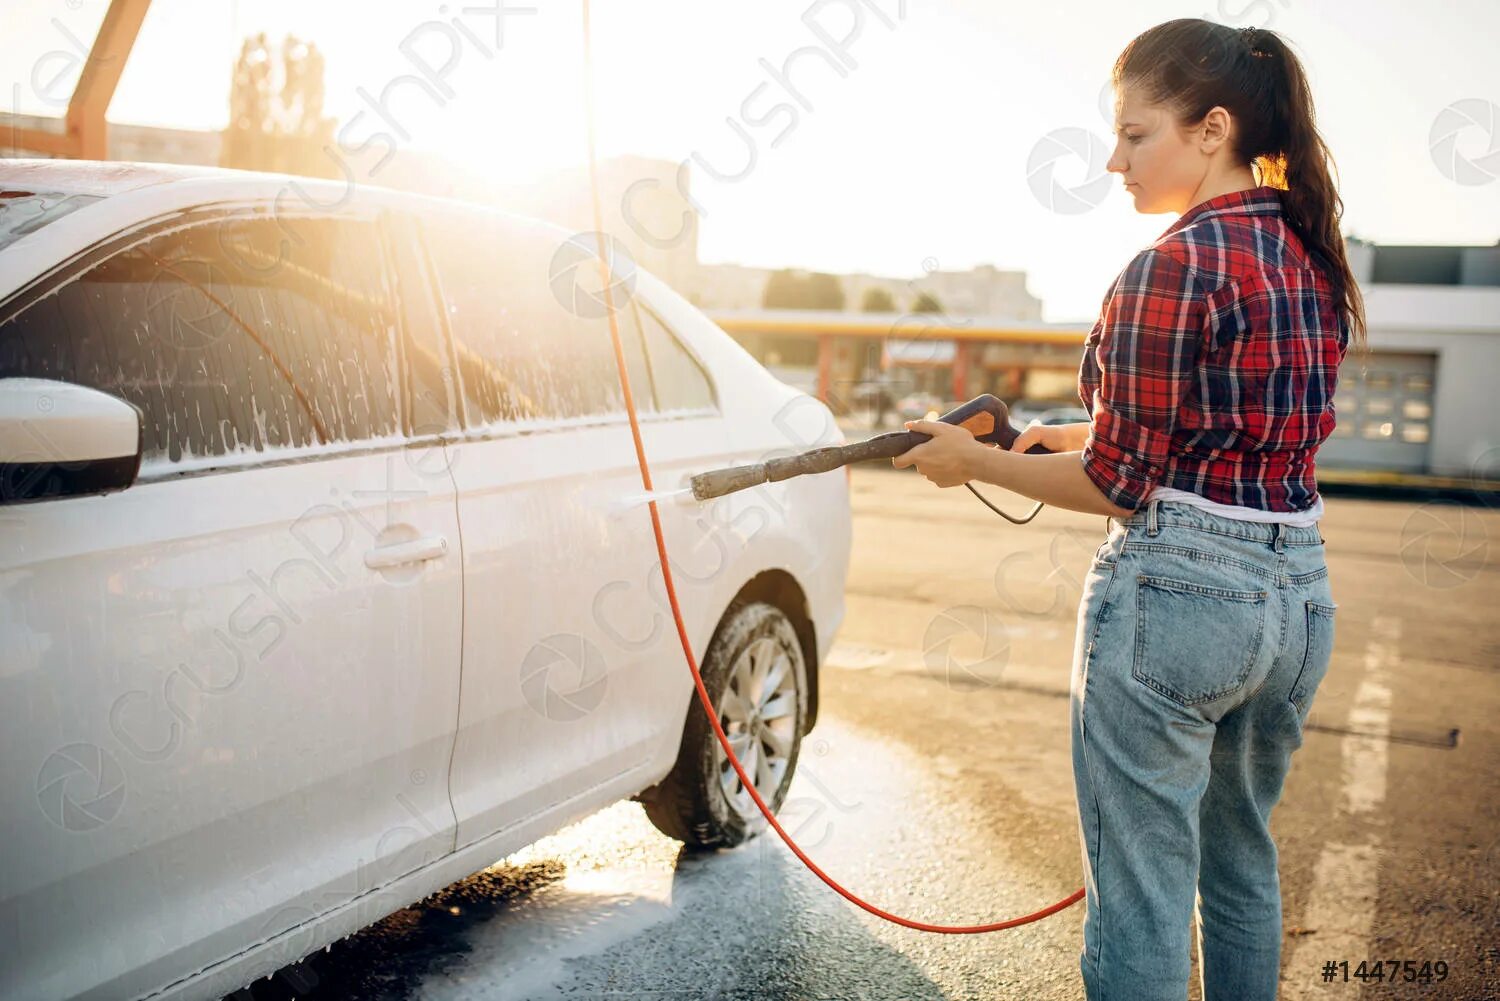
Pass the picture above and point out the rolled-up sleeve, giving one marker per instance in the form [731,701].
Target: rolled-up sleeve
[1152,334]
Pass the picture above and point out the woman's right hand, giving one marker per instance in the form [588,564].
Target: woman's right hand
[1052,437]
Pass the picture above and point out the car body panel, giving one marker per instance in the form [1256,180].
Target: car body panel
[188,649]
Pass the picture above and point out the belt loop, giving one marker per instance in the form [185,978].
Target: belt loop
[1279,542]
[1151,525]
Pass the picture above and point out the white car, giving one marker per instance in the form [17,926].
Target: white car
[320,582]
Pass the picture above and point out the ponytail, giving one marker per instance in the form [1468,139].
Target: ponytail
[1192,65]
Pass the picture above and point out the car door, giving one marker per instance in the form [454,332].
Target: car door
[229,691]
[573,681]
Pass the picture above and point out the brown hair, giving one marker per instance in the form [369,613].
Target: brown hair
[1190,65]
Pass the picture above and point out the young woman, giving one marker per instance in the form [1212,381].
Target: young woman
[1206,621]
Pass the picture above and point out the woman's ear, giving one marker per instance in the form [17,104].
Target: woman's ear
[1215,129]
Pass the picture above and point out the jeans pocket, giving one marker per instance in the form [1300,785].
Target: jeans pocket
[1195,643]
[1315,657]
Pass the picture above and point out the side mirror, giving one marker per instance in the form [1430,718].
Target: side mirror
[61,440]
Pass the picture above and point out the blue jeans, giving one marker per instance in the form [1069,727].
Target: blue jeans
[1201,641]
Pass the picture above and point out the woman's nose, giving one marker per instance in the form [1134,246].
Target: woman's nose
[1116,164]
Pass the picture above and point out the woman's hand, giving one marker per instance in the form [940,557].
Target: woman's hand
[1053,437]
[946,459]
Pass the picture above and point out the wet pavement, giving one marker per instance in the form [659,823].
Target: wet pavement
[610,908]
[938,785]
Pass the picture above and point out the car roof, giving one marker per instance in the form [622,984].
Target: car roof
[180,185]
[128,192]
[100,177]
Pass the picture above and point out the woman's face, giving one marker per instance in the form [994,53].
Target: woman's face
[1162,164]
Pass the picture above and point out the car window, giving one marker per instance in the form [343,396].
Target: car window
[232,336]
[681,383]
[431,386]
[531,343]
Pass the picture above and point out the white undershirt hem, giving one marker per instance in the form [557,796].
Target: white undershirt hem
[1300,519]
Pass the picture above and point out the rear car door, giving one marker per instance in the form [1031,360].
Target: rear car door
[574,686]
[229,692]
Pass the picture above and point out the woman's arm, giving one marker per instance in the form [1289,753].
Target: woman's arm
[1053,437]
[952,457]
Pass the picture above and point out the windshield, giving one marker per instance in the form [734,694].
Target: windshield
[23,212]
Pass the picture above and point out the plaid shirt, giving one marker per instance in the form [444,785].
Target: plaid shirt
[1213,363]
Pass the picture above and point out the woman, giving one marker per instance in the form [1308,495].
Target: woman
[1206,621]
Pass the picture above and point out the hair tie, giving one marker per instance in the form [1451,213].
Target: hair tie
[1255,41]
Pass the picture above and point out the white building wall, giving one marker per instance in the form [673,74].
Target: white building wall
[1461,326]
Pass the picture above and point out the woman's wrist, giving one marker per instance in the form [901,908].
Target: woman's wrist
[975,467]
[986,465]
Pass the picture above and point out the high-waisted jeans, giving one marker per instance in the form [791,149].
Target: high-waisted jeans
[1201,642]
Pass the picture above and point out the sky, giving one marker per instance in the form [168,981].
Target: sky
[930,145]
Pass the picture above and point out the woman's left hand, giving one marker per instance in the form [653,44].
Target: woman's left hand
[947,459]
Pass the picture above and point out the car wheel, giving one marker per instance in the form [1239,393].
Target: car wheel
[756,677]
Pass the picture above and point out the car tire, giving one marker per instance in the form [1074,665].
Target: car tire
[756,675]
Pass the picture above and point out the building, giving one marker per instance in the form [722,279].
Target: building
[126,142]
[1424,399]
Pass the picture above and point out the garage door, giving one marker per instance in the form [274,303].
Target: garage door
[1384,413]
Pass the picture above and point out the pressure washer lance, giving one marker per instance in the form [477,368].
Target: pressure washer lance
[986,417]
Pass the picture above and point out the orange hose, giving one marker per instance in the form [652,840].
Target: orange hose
[666,567]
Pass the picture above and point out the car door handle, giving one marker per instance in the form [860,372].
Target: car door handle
[415,551]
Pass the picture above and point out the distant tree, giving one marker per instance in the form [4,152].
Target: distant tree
[276,119]
[824,291]
[877,300]
[926,303]
[785,289]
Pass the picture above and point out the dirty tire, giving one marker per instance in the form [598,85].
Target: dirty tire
[690,804]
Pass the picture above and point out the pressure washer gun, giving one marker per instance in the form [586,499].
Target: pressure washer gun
[986,417]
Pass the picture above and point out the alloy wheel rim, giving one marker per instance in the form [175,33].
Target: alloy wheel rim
[758,710]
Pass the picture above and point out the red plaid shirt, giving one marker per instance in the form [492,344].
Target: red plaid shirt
[1213,363]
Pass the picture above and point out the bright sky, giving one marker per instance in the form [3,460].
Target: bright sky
[919,151]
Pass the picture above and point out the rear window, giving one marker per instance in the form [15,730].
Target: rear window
[23,212]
